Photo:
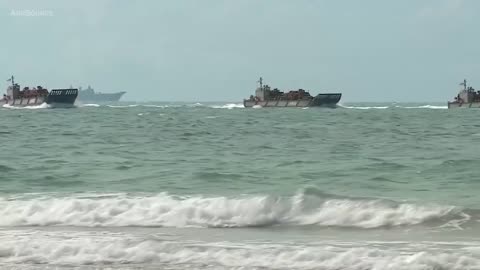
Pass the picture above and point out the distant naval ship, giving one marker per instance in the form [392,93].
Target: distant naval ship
[89,95]
[466,98]
[267,97]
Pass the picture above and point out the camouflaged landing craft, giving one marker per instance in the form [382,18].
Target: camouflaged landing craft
[466,98]
[56,98]
[265,97]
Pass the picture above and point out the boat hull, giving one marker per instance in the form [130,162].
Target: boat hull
[452,105]
[321,100]
[57,98]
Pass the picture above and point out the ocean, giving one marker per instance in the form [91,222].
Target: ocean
[218,186]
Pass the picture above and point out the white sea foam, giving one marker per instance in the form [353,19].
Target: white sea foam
[396,106]
[90,105]
[74,249]
[117,106]
[41,106]
[123,106]
[423,107]
[228,106]
[364,107]
[155,106]
[165,210]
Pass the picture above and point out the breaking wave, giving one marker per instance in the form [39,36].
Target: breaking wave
[392,107]
[194,105]
[90,105]
[363,107]
[165,210]
[228,106]
[423,107]
[123,106]
[122,250]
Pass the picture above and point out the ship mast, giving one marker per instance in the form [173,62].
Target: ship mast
[260,81]
[464,84]
[12,79]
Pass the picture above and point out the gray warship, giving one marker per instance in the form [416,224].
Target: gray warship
[466,98]
[267,97]
[89,95]
[35,96]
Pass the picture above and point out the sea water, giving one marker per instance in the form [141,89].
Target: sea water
[219,186]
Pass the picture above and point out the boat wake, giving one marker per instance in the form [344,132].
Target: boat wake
[36,107]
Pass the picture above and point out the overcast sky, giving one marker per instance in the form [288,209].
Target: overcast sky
[212,50]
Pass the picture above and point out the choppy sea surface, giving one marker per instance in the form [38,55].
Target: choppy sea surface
[219,186]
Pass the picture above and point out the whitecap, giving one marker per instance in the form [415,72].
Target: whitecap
[36,107]
[228,106]
[118,250]
[164,210]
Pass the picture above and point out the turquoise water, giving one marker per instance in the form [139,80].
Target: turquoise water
[218,186]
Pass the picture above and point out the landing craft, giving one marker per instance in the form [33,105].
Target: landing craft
[466,98]
[266,97]
[35,96]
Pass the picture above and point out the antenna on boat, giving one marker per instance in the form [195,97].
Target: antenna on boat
[12,79]
[260,81]
[464,84]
